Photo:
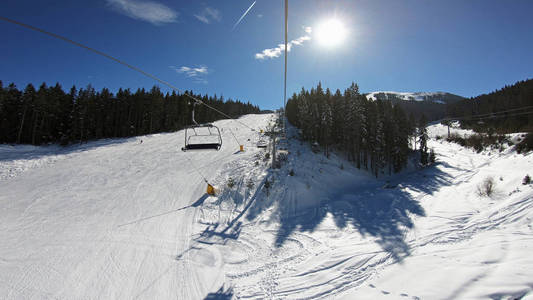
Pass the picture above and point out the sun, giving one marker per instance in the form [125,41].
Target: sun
[330,33]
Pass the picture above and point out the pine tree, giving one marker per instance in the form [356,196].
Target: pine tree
[3,116]
[423,137]
[12,108]
[432,156]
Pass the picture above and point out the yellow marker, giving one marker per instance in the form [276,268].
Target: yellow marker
[210,190]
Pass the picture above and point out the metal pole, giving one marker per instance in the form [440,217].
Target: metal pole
[285,81]
[274,162]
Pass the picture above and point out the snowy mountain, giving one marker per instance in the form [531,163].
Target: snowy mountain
[435,97]
[124,219]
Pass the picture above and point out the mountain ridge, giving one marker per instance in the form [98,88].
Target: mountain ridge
[435,97]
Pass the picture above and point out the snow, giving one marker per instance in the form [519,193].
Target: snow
[416,96]
[122,219]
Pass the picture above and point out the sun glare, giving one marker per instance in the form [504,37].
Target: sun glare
[330,33]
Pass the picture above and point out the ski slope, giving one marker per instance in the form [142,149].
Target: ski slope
[109,219]
[121,219]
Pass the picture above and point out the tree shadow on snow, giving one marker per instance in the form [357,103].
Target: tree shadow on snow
[230,231]
[200,200]
[217,232]
[29,152]
[197,203]
[383,212]
[220,294]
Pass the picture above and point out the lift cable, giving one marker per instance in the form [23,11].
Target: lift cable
[488,115]
[122,63]
[196,169]
[502,116]
[231,131]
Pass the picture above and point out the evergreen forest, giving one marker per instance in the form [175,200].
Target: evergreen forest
[506,110]
[375,135]
[51,115]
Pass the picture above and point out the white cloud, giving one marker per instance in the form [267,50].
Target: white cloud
[195,73]
[209,15]
[277,51]
[153,12]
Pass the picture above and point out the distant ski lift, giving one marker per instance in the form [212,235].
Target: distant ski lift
[262,143]
[283,144]
[202,136]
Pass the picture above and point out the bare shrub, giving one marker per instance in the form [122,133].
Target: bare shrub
[267,156]
[479,141]
[526,180]
[231,182]
[526,145]
[486,188]
[250,184]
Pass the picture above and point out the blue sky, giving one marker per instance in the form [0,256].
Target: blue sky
[466,47]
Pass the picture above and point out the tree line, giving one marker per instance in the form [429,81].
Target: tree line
[375,135]
[518,95]
[51,115]
[433,107]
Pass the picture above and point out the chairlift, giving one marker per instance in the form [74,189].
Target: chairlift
[202,136]
[262,143]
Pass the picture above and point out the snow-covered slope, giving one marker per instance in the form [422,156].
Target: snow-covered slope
[120,219]
[436,97]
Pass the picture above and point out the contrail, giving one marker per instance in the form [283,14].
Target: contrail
[244,15]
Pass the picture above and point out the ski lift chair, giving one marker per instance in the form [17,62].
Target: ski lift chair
[202,136]
[262,143]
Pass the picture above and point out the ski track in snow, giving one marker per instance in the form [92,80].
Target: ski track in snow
[122,219]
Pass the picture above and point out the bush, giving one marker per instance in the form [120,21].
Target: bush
[526,180]
[526,144]
[267,156]
[231,182]
[475,141]
[291,172]
[250,184]
[454,137]
[486,188]
[479,141]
